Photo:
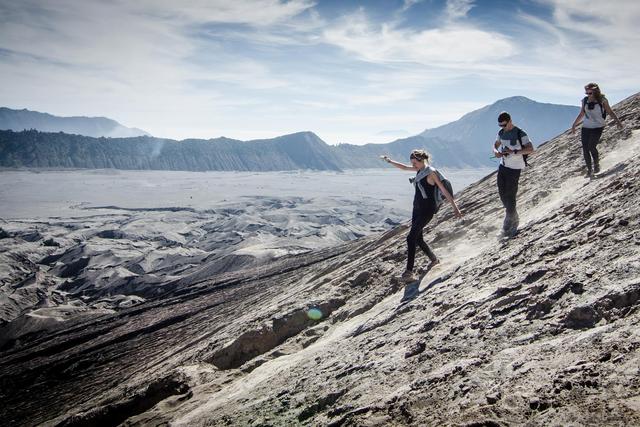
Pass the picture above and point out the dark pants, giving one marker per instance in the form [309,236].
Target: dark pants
[508,187]
[419,220]
[590,139]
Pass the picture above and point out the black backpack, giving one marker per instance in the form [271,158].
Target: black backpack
[437,194]
[525,157]
[585,101]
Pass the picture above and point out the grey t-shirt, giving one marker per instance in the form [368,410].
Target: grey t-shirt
[509,139]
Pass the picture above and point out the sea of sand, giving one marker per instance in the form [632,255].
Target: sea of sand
[28,194]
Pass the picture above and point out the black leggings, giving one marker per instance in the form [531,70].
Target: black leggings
[508,187]
[590,138]
[419,220]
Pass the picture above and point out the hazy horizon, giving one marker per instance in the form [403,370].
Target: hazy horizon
[389,135]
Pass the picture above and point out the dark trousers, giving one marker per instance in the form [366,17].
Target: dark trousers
[590,139]
[419,220]
[508,188]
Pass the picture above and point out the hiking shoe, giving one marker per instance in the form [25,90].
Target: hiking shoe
[596,168]
[515,221]
[511,232]
[408,276]
[511,222]
[506,224]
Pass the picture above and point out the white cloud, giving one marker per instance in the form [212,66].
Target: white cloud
[449,46]
[597,19]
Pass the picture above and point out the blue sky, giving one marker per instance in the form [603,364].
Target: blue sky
[350,71]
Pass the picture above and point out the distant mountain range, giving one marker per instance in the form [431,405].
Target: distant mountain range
[18,120]
[467,142]
[540,120]
[463,143]
[35,149]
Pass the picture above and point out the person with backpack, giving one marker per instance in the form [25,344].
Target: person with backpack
[430,190]
[512,146]
[593,114]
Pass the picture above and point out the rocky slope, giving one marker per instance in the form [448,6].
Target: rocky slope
[537,330]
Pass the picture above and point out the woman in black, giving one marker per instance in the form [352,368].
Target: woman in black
[424,205]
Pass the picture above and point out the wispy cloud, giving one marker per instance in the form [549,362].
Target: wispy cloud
[253,12]
[408,4]
[457,9]
[583,42]
[448,46]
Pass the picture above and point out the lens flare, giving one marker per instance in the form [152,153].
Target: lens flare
[314,314]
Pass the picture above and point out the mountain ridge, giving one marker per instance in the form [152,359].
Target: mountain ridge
[464,143]
[25,119]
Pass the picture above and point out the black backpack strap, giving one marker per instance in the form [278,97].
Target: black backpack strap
[604,112]
[525,157]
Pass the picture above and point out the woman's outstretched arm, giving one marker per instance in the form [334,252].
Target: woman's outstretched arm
[577,120]
[399,165]
[446,193]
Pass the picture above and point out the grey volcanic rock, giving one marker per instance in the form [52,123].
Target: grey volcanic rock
[537,330]
[19,120]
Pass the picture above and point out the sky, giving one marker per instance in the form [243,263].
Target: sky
[351,71]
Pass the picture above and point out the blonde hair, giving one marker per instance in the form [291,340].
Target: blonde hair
[420,155]
[596,90]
